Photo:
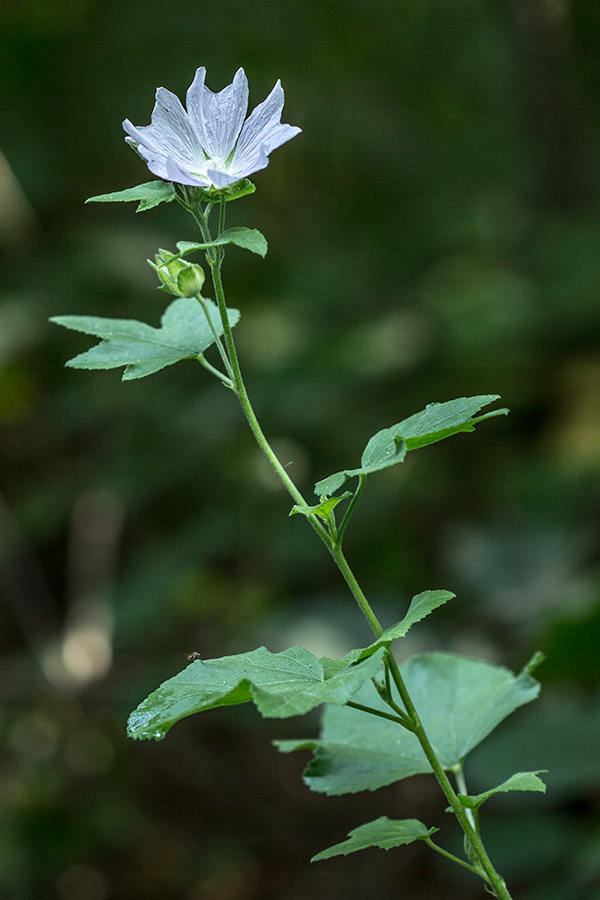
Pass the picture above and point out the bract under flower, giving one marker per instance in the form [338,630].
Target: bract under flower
[210,145]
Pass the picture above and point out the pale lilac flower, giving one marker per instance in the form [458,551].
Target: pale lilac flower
[210,145]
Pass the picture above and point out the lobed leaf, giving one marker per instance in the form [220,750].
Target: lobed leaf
[142,349]
[522,781]
[280,684]
[460,701]
[389,446]
[247,238]
[149,194]
[383,833]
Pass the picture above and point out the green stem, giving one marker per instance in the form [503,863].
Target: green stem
[242,395]
[238,381]
[210,368]
[490,874]
[357,592]
[461,784]
[487,870]
[217,338]
[362,480]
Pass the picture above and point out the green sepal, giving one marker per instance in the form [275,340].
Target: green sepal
[149,194]
[178,277]
[142,349]
[239,189]
[383,833]
[389,446]
[460,701]
[322,510]
[280,685]
[247,238]
[522,781]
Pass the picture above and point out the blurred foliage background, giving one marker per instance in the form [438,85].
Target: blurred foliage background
[434,233]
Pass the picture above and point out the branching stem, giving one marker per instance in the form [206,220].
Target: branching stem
[362,480]
[402,720]
[451,856]
[408,719]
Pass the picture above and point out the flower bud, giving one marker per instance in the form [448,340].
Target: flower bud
[190,280]
[181,278]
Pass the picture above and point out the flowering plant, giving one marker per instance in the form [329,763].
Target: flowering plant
[382,721]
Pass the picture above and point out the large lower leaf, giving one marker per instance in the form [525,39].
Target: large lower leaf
[460,701]
[389,446]
[280,684]
[383,833]
[184,334]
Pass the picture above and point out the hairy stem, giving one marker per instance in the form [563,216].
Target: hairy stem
[238,382]
[484,865]
[487,870]
[462,787]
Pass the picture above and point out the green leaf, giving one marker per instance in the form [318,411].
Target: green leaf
[460,701]
[280,684]
[389,446]
[248,238]
[149,194]
[420,606]
[322,510]
[184,334]
[522,781]
[332,666]
[383,832]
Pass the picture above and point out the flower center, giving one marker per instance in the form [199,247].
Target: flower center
[215,163]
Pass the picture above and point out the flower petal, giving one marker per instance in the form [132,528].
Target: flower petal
[263,131]
[217,118]
[222,179]
[251,163]
[170,132]
[182,175]
[156,161]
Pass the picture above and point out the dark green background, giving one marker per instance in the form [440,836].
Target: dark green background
[434,232]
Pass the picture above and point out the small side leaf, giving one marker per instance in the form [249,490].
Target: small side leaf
[420,606]
[522,781]
[322,510]
[142,349]
[383,833]
[248,238]
[149,194]
[389,446]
